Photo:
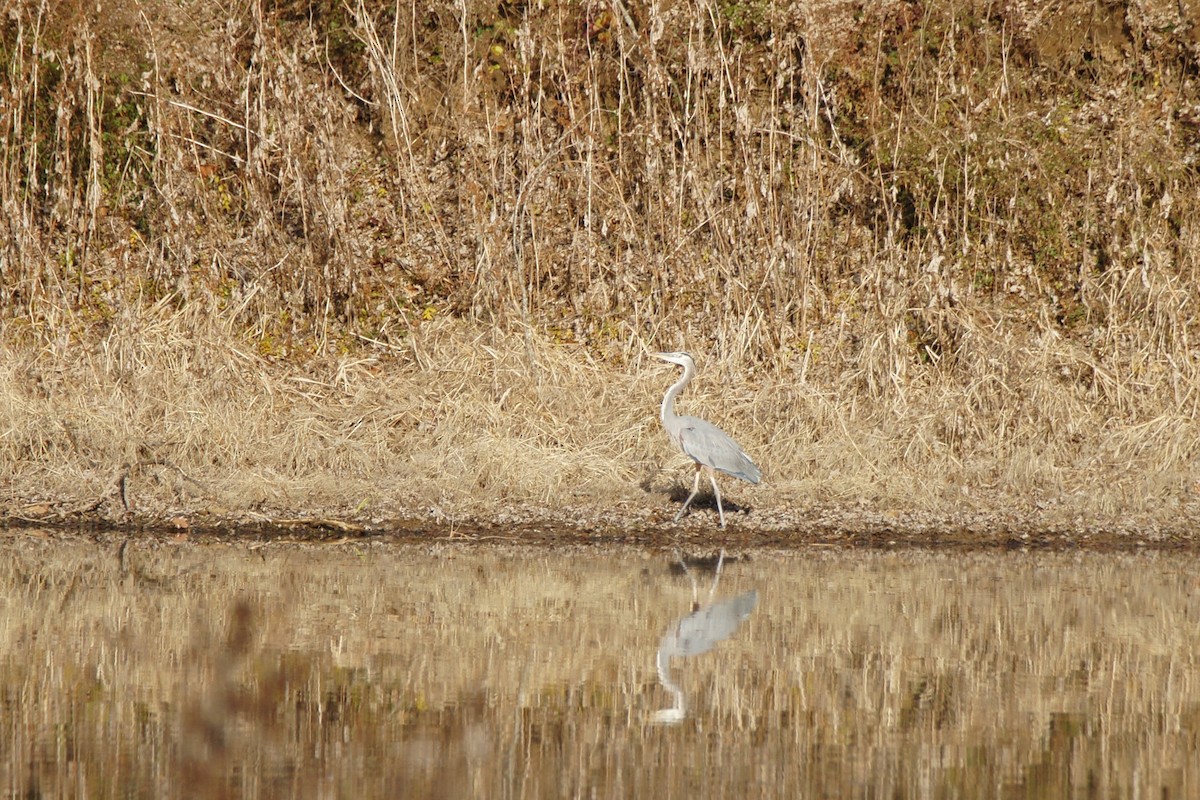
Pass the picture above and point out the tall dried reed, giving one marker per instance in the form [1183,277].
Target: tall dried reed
[934,255]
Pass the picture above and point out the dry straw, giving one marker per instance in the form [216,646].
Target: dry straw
[374,258]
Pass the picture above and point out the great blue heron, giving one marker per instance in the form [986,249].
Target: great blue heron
[710,447]
[695,634]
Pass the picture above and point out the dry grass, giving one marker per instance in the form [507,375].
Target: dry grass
[466,421]
[377,259]
[200,423]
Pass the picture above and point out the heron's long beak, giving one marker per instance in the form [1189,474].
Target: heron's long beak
[671,358]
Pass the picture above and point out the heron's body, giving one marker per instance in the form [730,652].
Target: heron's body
[711,448]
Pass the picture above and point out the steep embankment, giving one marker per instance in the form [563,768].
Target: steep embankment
[937,261]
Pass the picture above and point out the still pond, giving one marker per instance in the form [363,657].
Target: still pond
[160,669]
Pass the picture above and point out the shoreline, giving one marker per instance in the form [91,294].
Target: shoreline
[567,528]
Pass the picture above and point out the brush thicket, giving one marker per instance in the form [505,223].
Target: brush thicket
[357,255]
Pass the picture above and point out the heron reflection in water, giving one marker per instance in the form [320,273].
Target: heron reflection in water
[698,633]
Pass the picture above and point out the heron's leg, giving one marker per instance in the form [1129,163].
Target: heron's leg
[712,476]
[692,496]
[716,578]
[691,577]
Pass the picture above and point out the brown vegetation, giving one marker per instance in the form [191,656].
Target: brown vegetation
[370,259]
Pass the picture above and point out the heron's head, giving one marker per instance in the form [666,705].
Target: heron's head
[677,357]
[669,716]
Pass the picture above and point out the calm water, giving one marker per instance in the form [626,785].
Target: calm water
[372,670]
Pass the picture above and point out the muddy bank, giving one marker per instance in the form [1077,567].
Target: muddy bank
[567,528]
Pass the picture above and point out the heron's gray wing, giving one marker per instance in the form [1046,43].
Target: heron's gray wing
[707,444]
[699,632]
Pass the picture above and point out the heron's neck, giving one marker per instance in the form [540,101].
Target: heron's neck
[668,403]
[676,712]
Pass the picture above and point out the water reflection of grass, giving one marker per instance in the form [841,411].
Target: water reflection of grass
[368,670]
